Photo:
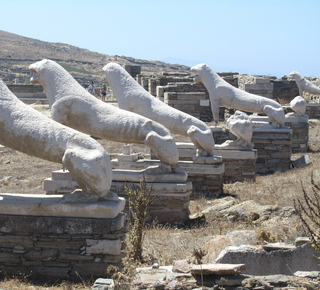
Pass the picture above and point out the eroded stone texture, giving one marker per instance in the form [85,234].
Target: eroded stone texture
[304,85]
[223,94]
[239,125]
[27,130]
[132,97]
[73,106]
[299,105]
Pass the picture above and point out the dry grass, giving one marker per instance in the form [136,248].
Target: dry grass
[25,284]
[164,244]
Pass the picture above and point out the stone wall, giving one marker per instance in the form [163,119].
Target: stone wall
[299,126]
[261,87]
[171,200]
[60,247]
[274,149]
[284,90]
[239,164]
[133,70]
[313,111]
[196,104]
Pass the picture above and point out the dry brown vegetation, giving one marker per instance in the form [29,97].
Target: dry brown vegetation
[164,244]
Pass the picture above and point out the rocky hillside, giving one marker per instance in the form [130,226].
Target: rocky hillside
[18,52]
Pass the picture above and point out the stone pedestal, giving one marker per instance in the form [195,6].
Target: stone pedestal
[273,146]
[313,110]
[240,164]
[206,178]
[44,236]
[299,126]
[171,200]
[274,149]
[172,191]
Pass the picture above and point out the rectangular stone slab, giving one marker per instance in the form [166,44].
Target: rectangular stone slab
[218,269]
[137,176]
[53,205]
[44,225]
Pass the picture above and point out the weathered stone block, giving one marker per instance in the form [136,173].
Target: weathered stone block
[110,247]
[42,255]
[54,272]
[12,241]
[10,258]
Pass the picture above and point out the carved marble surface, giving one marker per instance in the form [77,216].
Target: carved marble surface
[299,105]
[27,130]
[304,85]
[73,106]
[223,94]
[132,97]
[240,125]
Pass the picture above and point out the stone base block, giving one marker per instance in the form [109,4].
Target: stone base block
[60,247]
[172,191]
[170,200]
[56,205]
[206,178]
[299,126]
[273,147]
[240,165]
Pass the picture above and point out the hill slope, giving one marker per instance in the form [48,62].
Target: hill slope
[18,52]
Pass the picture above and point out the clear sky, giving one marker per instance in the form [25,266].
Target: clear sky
[271,37]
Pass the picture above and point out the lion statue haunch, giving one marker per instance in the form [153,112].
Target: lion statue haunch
[222,93]
[304,85]
[299,105]
[24,129]
[73,106]
[240,125]
[132,97]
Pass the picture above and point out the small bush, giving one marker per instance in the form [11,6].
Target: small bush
[308,210]
[139,201]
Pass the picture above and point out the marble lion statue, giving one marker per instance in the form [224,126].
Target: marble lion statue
[240,125]
[132,97]
[24,129]
[74,107]
[222,93]
[304,85]
[298,105]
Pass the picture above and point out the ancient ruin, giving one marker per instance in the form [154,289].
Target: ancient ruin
[304,85]
[239,125]
[223,94]
[132,97]
[24,129]
[73,106]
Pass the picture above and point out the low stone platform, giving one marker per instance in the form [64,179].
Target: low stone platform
[206,178]
[299,126]
[43,236]
[171,200]
[273,146]
[172,197]
[240,164]
[274,149]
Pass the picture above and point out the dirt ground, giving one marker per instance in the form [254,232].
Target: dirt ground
[20,173]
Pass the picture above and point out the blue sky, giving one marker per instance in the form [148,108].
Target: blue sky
[253,37]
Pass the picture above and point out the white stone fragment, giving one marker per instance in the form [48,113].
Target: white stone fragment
[299,105]
[108,247]
[240,125]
